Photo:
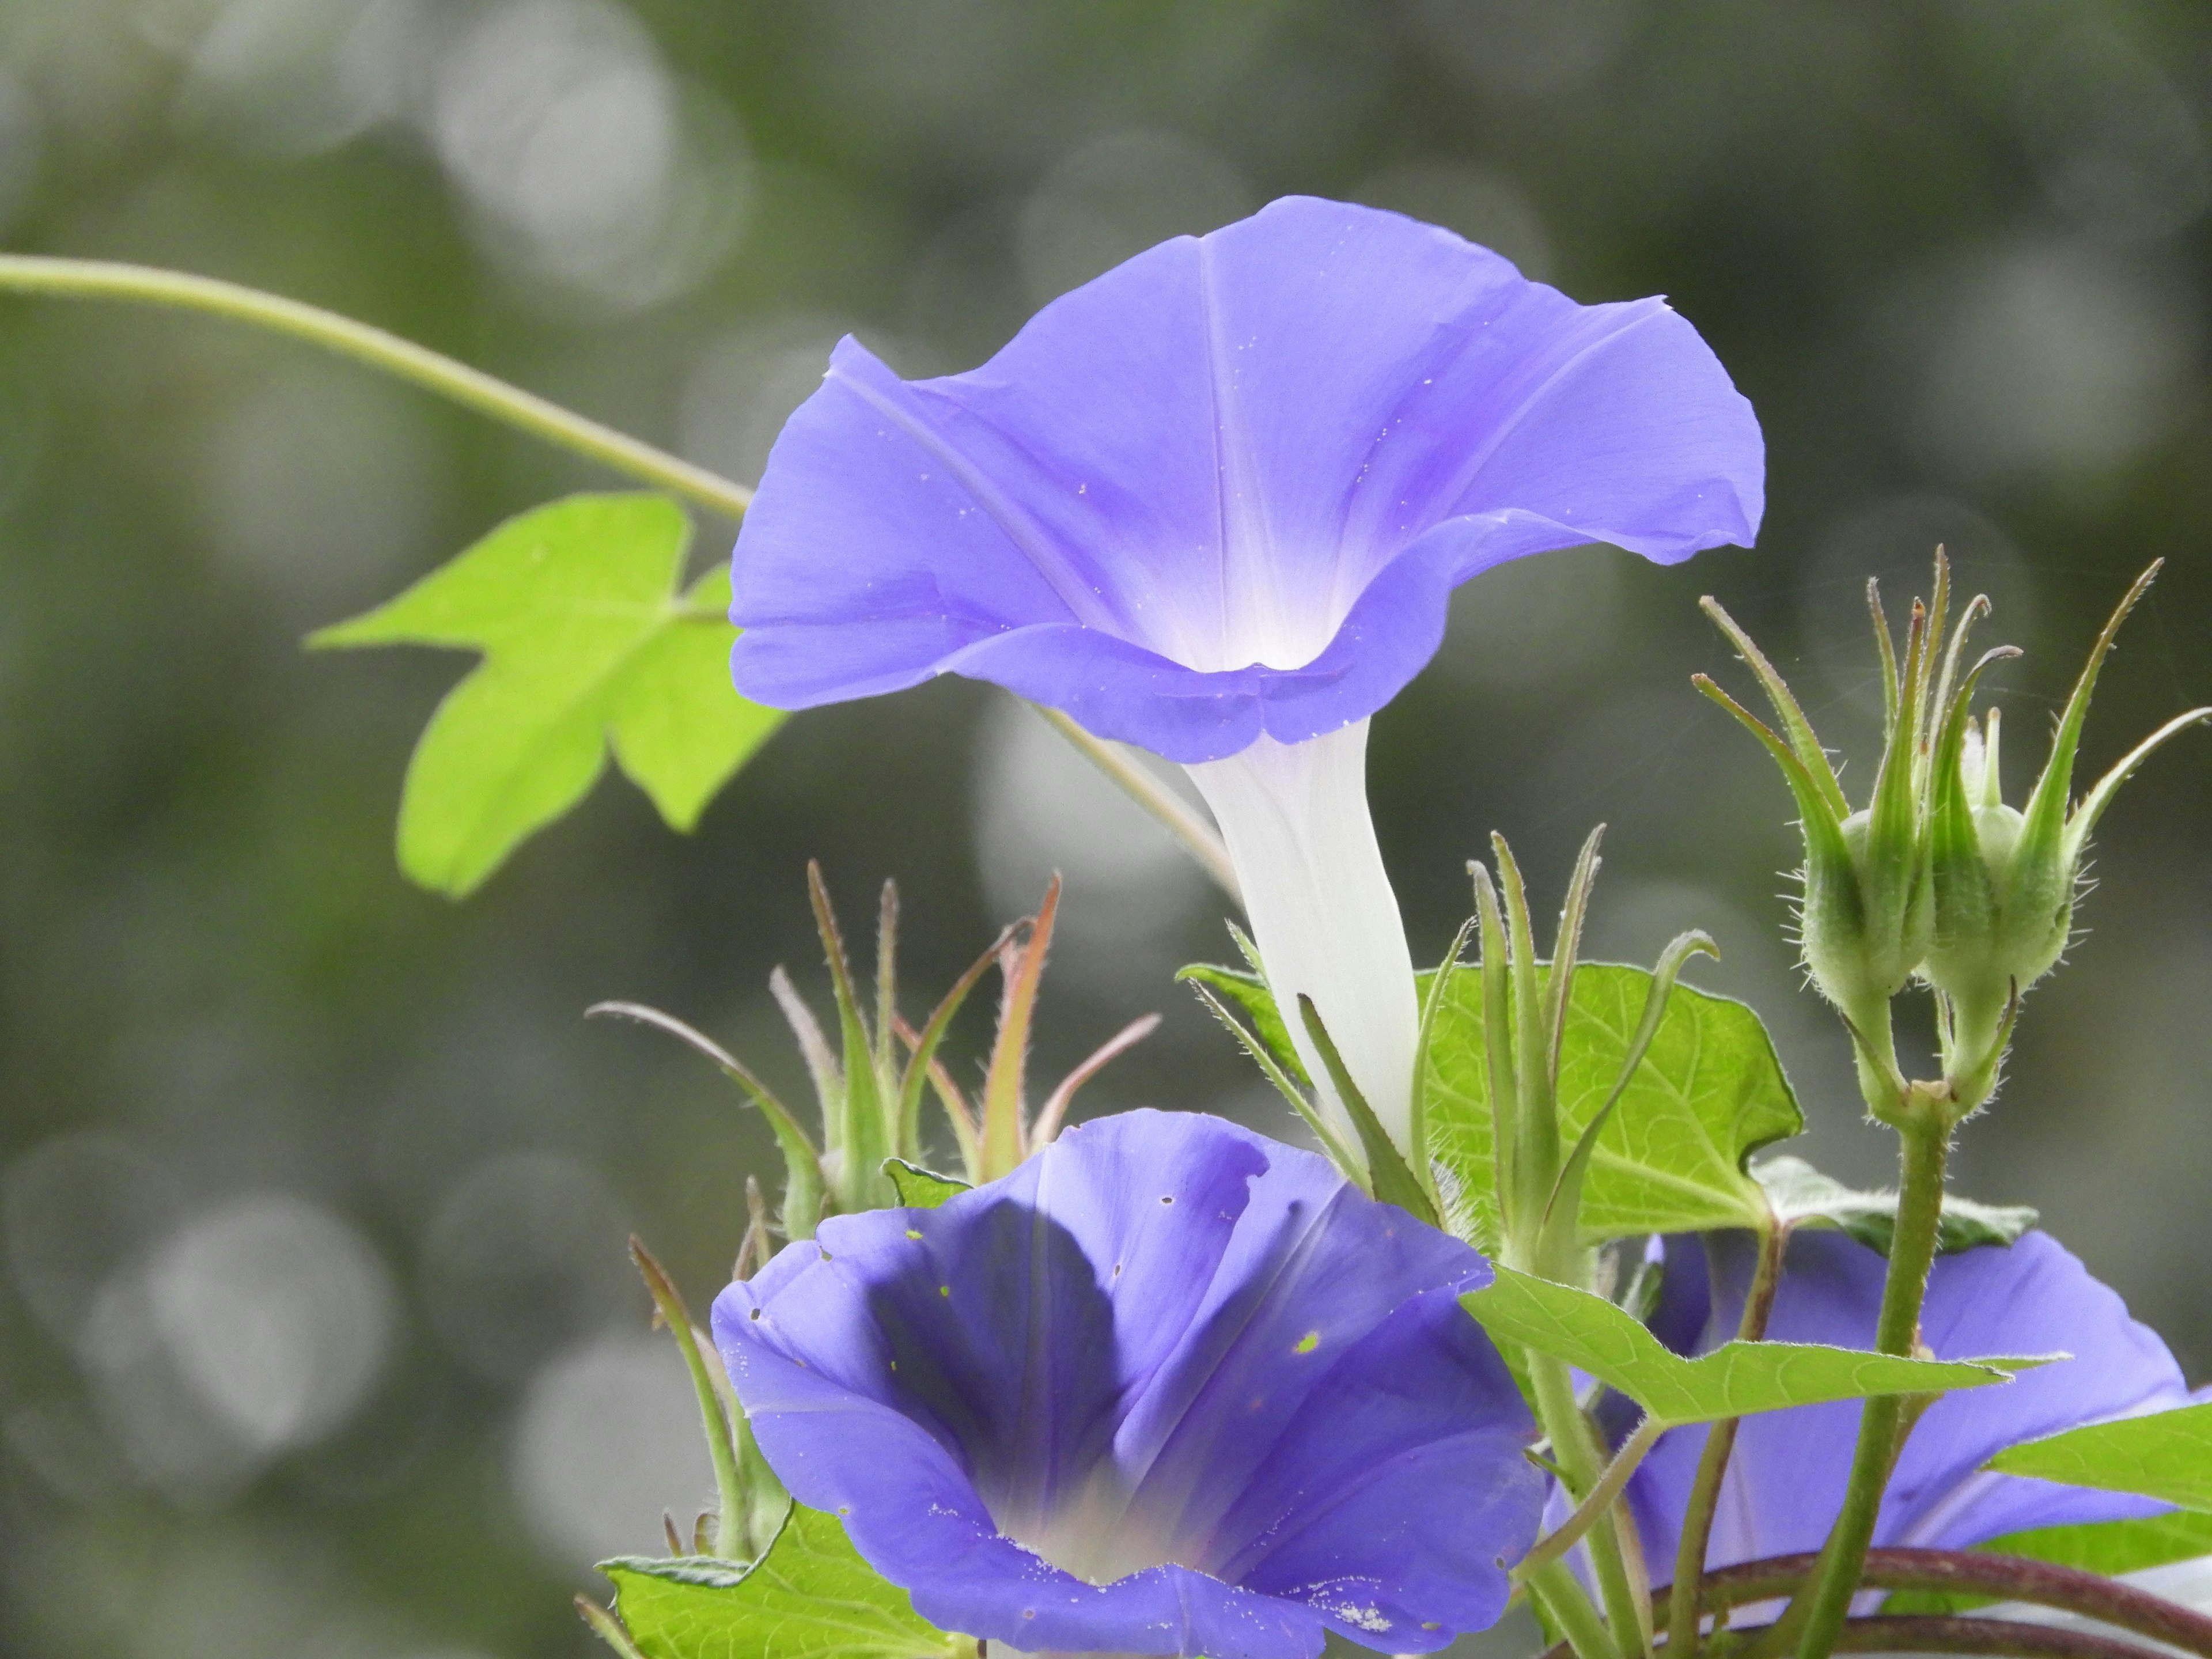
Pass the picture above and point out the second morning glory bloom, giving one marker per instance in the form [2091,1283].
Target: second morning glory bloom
[1786,1479]
[1169,1387]
[1214,504]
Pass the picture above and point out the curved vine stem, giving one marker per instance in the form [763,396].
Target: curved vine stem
[1920,1634]
[101,279]
[1978,1572]
[379,349]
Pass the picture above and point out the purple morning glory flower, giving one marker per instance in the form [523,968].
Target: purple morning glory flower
[1786,1479]
[1170,1388]
[1214,504]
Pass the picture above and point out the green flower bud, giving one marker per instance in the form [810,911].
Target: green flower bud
[1867,916]
[2005,880]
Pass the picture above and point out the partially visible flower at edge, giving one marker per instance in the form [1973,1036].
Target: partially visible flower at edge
[1214,504]
[1170,1388]
[1786,1479]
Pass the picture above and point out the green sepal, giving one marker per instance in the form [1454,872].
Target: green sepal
[868,1109]
[1852,969]
[1293,1092]
[809,1596]
[1249,992]
[588,646]
[1388,1178]
[919,1189]
[1971,880]
[802,1164]
[1803,1197]
[1563,1212]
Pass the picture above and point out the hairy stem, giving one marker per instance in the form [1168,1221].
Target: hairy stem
[1683,1606]
[1592,1509]
[2009,1578]
[1816,1617]
[1568,1608]
[100,279]
[1575,1448]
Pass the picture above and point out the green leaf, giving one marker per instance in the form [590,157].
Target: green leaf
[2165,1455]
[2106,1547]
[1735,1380]
[1250,992]
[919,1189]
[1803,1197]
[1709,1093]
[810,1597]
[679,729]
[586,643]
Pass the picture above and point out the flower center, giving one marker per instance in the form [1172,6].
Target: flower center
[1090,1532]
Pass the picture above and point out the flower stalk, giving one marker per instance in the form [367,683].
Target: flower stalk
[1684,1610]
[1924,1141]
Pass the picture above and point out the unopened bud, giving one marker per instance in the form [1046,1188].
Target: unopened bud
[2005,880]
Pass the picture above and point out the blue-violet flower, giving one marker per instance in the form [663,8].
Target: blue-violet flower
[1787,1477]
[1170,1388]
[1214,504]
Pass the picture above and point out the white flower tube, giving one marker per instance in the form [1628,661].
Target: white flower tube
[1295,821]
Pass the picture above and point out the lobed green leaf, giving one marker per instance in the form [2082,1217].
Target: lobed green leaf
[810,1597]
[1710,1092]
[587,645]
[1735,1380]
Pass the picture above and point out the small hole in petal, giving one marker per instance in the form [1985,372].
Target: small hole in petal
[826,1256]
[1308,1342]
[912,1233]
[1167,1198]
[756,1313]
[944,1289]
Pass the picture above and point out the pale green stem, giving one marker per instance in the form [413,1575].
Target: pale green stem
[1683,1610]
[1575,1449]
[1569,1608]
[1554,1545]
[102,279]
[1175,815]
[1817,1615]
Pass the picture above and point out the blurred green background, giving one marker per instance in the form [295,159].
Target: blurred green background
[316,1335]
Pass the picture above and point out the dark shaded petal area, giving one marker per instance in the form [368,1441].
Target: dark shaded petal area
[1227,487]
[1787,1478]
[1170,1388]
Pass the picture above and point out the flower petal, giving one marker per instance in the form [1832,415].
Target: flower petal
[1787,1478]
[1101,1356]
[1211,456]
